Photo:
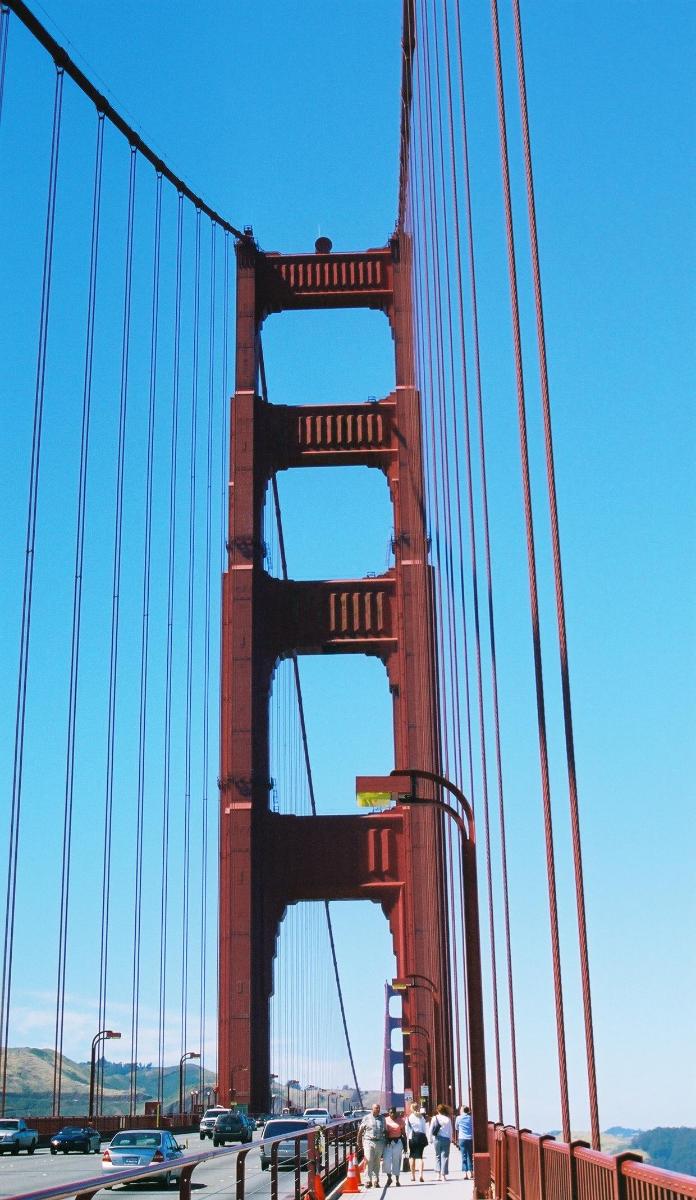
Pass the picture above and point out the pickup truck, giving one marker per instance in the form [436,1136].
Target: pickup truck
[15,1135]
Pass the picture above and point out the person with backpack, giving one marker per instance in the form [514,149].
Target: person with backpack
[441,1136]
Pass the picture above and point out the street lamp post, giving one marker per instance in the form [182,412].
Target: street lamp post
[403,785]
[102,1036]
[182,1060]
[407,1031]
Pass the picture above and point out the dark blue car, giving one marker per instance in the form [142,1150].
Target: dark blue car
[86,1141]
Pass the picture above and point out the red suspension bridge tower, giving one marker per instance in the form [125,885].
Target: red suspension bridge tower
[268,860]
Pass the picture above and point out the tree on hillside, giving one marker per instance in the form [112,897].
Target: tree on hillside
[671,1148]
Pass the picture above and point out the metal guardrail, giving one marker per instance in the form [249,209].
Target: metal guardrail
[333,1142]
[537,1167]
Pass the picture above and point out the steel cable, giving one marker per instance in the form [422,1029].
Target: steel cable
[76,622]
[487,541]
[27,595]
[169,653]
[206,658]
[4,35]
[145,649]
[305,750]
[560,602]
[189,636]
[533,590]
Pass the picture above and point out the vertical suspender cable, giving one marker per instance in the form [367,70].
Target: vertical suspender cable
[166,784]
[189,639]
[487,546]
[450,526]
[23,669]
[4,34]
[145,649]
[560,602]
[533,591]
[116,580]
[307,761]
[76,623]
[206,658]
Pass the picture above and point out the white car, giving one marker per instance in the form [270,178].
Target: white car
[143,1148]
[208,1120]
[317,1116]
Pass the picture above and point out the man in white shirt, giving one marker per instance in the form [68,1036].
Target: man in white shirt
[371,1138]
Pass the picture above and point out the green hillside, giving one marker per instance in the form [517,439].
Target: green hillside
[673,1148]
[30,1084]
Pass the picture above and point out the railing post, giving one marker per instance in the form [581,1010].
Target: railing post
[501,1174]
[541,1163]
[573,1166]
[241,1160]
[311,1160]
[274,1171]
[618,1180]
[185,1183]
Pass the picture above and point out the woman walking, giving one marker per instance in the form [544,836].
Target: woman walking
[465,1135]
[393,1150]
[417,1134]
[441,1137]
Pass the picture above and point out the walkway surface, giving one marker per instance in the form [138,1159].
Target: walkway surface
[431,1188]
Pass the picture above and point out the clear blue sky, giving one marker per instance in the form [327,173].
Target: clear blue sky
[286,117]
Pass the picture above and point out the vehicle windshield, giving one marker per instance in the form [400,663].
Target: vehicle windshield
[70,1131]
[214,1112]
[316,1112]
[276,1128]
[8,1124]
[142,1140]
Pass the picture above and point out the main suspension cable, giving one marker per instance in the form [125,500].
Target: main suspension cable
[63,60]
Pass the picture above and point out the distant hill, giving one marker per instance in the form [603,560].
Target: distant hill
[30,1084]
[621,1131]
[673,1148]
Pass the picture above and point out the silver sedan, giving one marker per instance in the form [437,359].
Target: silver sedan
[143,1148]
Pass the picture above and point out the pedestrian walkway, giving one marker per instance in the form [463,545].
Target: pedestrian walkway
[432,1186]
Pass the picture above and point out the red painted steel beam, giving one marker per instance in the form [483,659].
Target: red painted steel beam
[265,619]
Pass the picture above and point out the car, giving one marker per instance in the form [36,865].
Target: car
[233,1126]
[143,1148]
[287,1151]
[208,1120]
[75,1137]
[317,1116]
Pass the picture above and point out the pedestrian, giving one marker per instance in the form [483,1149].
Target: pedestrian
[417,1134]
[464,1127]
[393,1150]
[371,1141]
[441,1137]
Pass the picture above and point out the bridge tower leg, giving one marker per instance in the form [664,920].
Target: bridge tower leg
[265,857]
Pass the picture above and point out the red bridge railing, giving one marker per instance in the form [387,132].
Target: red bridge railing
[529,1166]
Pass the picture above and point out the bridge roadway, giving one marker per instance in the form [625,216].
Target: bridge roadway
[216,1177]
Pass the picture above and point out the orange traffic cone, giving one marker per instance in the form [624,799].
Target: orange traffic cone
[351,1185]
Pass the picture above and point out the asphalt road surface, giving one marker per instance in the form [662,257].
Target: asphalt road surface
[216,1177]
